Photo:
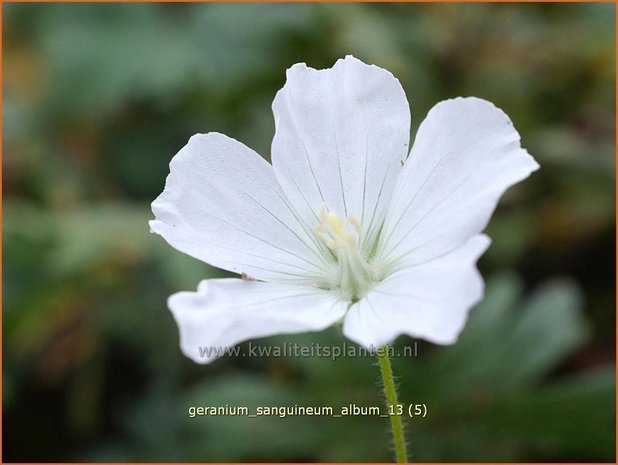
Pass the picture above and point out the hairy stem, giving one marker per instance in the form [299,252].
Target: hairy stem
[390,392]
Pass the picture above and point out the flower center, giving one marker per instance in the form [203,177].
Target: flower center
[343,237]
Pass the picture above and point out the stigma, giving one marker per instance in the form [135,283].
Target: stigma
[343,237]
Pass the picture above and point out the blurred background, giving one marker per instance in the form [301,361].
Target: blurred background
[97,98]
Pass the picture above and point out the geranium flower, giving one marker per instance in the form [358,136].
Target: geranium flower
[344,226]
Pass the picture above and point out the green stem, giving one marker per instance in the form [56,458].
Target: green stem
[390,392]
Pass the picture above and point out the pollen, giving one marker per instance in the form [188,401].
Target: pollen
[343,236]
[338,232]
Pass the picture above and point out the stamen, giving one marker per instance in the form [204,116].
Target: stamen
[343,237]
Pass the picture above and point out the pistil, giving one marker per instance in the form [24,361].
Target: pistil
[343,237]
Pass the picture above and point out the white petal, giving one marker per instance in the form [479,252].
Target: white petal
[466,154]
[223,205]
[429,301]
[224,312]
[341,136]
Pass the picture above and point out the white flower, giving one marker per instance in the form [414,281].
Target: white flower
[339,228]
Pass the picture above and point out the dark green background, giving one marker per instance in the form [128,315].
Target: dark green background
[96,101]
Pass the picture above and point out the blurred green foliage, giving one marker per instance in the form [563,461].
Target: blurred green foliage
[96,100]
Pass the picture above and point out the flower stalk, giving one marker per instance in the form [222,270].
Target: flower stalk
[392,403]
